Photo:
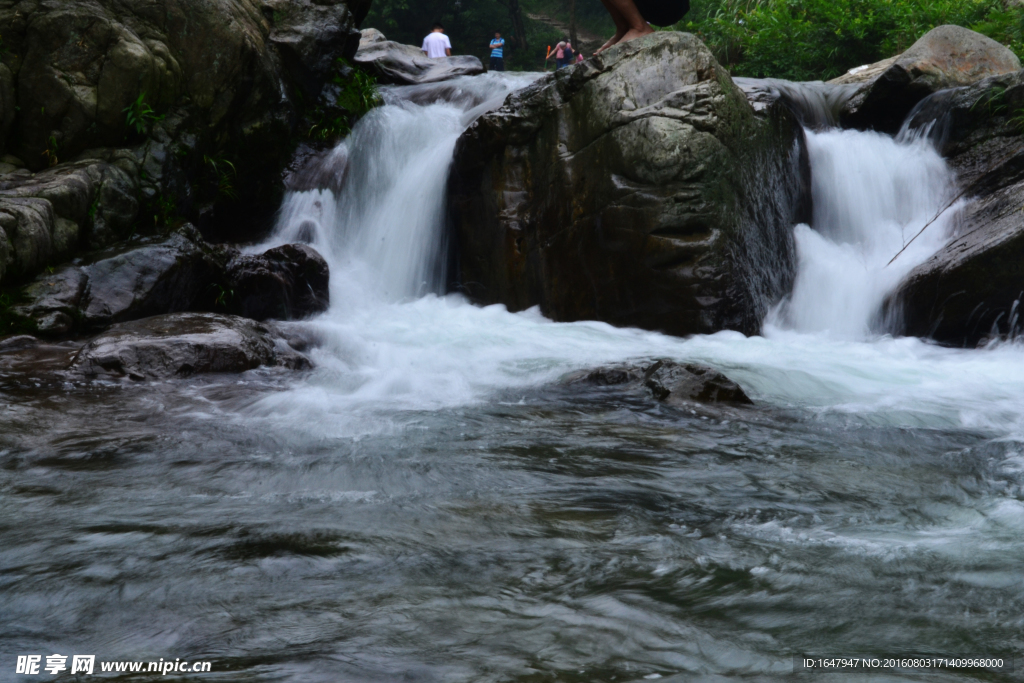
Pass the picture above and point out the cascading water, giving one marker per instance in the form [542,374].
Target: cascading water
[428,504]
[872,195]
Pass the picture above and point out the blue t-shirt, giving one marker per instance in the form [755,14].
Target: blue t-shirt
[497,48]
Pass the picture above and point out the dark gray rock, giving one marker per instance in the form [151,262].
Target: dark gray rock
[398,64]
[184,344]
[945,57]
[668,382]
[971,289]
[285,283]
[639,188]
[176,274]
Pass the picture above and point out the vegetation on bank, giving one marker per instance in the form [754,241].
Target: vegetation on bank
[793,39]
[821,39]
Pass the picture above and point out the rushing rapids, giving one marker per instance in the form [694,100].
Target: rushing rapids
[430,504]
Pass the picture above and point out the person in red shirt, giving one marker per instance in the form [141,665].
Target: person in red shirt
[633,18]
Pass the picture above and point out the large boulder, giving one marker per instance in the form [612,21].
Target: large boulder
[196,84]
[399,64]
[184,344]
[971,289]
[639,188]
[171,275]
[175,274]
[46,217]
[284,283]
[945,57]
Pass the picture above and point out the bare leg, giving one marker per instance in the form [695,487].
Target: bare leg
[629,24]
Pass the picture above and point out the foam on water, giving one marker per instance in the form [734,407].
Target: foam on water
[393,342]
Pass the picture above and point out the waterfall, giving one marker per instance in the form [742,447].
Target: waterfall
[382,224]
[872,194]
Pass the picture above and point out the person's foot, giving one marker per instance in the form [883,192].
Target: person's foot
[611,41]
[634,33]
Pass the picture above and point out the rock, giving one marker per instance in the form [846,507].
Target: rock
[639,188]
[173,275]
[176,274]
[945,57]
[284,283]
[211,79]
[48,216]
[971,289]
[668,382]
[184,344]
[162,278]
[399,64]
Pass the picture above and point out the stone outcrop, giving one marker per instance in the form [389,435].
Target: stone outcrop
[972,288]
[639,188]
[284,283]
[399,64]
[667,381]
[945,57]
[189,85]
[46,217]
[180,273]
[184,344]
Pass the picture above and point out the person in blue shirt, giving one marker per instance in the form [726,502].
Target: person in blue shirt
[498,52]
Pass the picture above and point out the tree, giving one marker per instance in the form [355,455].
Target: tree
[515,16]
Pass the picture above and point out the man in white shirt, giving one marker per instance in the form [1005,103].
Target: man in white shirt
[437,45]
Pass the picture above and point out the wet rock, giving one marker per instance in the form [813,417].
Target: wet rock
[971,289]
[285,283]
[639,188]
[163,277]
[399,64]
[184,344]
[668,382]
[945,57]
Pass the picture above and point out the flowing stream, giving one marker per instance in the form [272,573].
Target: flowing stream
[430,504]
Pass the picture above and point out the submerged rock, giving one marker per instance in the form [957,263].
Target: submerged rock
[971,289]
[639,188]
[184,344]
[945,57]
[285,283]
[668,382]
[398,64]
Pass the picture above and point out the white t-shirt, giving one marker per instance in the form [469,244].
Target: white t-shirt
[435,44]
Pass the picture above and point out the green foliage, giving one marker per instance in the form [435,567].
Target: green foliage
[821,39]
[223,174]
[165,210]
[358,95]
[140,116]
[224,297]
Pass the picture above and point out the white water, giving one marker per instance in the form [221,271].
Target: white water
[392,343]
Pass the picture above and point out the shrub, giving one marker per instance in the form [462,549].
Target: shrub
[821,39]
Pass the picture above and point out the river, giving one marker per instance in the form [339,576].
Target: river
[431,504]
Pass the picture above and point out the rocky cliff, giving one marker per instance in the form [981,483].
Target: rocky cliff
[134,112]
[638,188]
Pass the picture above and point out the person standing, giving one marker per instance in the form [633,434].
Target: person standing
[569,56]
[436,45]
[560,55]
[498,52]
